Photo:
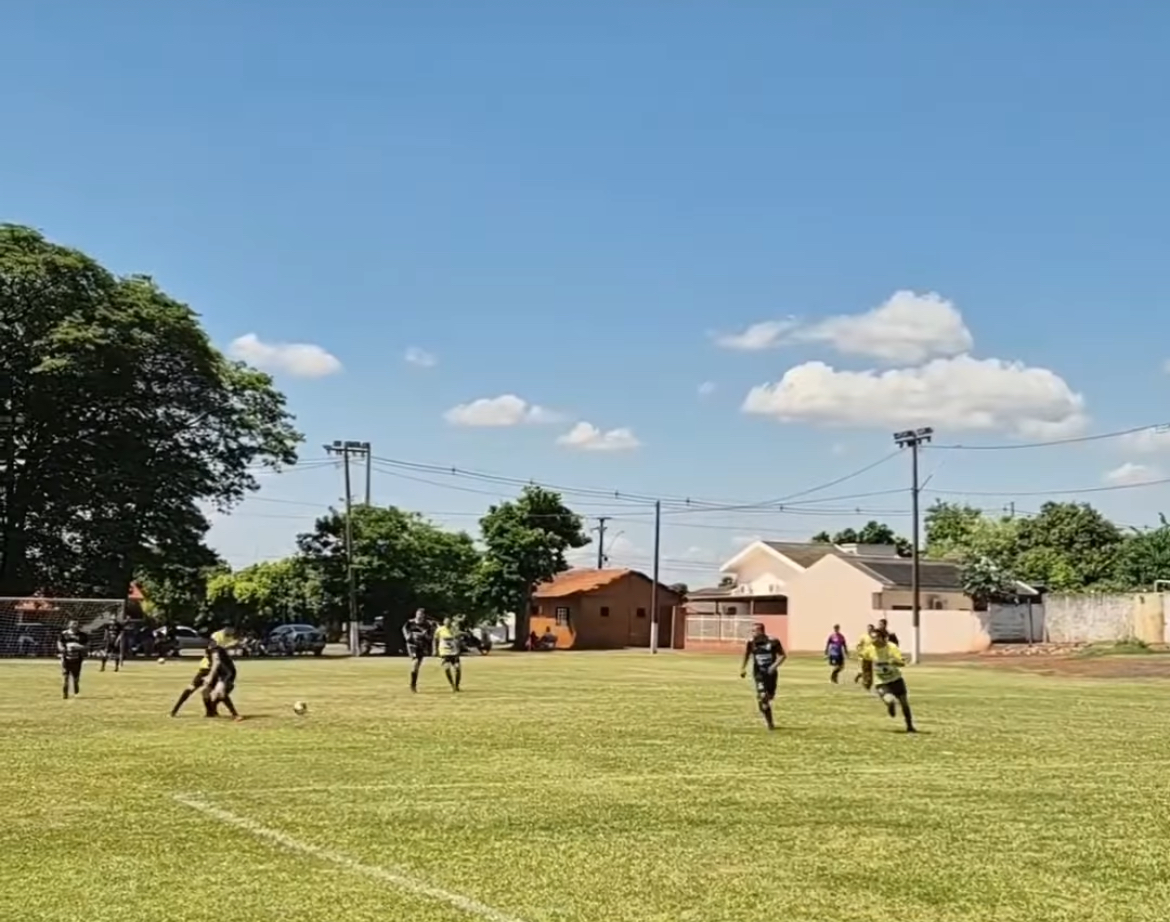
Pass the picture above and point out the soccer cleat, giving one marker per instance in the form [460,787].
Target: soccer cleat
[891,709]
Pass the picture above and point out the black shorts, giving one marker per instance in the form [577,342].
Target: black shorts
[897,688]
[200,678]
[451,660]
[766,683]
[836,659]
[71,667]
[417,651]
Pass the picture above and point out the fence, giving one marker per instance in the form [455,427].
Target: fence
[710,628]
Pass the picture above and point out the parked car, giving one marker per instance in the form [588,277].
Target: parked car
[297,638]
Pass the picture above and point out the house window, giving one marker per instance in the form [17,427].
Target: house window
[562,615]
[605,611]
[730,610]
[641,613]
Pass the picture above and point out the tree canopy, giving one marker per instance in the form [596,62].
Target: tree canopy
[872,532]
[525,541]
[124,423]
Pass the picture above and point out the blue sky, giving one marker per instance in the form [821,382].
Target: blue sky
[593,207]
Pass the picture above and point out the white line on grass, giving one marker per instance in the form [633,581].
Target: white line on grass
[394,878]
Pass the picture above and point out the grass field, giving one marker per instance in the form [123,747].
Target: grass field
[582,788]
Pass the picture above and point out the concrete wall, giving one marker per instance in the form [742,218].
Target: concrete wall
[1016,623]
[943,632]
[1101,618]
[827,593]
[928,598]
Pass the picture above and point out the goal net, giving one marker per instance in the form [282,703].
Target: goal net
[29,626]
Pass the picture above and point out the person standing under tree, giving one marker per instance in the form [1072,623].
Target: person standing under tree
[72,647]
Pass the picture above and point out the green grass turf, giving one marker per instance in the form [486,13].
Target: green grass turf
[575,787]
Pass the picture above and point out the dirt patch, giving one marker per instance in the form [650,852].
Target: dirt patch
[1060,660]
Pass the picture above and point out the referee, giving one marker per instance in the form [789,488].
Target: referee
[72,647]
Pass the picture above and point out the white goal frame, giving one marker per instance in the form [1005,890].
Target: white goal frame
[29,624]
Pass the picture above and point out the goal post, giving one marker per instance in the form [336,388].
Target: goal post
[29,626]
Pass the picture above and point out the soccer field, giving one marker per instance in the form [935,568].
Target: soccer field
[582,788]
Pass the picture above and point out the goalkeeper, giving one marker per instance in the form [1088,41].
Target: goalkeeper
[72,647]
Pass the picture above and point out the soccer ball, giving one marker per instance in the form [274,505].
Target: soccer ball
[887,698]
[162,660]
[300,709]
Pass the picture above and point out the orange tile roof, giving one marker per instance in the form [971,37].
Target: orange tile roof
[573,581]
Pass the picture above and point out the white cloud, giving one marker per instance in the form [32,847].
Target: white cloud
[1130,473]
[299,360]
[588,437]
[908,327]
[707,388]
[960,393]
[498,412]
[759,336]
[420,357]
[1148,441]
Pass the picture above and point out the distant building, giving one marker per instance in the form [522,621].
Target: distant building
[603,609]
[799,591]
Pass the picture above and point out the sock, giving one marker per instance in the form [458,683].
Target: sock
[767,712]
[458,678]
[907,715]
[186,693]
[414,680]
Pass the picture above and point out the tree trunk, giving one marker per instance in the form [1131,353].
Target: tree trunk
[522,622]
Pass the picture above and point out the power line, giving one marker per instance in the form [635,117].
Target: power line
[1075,440]
[1108,489]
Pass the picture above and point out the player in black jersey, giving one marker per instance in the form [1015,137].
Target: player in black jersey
[115,645]
[72,647]
[766,654]
[417,634]
[221,681]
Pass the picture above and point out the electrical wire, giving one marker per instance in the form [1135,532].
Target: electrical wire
[1077,492]
[1075,440]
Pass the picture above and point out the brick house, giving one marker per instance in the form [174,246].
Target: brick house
[603,610]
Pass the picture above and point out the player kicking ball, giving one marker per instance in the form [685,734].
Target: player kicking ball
[766,655]
[887,671]
[221,680]
[447,649]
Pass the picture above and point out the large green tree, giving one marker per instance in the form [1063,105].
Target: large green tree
[265,594]
[1144,558]
[401,560]
[525,543]
[126,424]
[1069,547]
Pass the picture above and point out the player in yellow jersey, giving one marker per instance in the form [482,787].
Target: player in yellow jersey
[222,639]
[865,677]
[448,649]
[887,662]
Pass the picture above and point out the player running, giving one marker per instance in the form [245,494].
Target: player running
[865,676]
[448,650]
[115,645]
[887,669]
[836,650]
[72,647]
[197,683]
[766,655]
[221,679]
[417,634]
[884,625]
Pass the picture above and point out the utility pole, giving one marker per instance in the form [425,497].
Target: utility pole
[347,449]
[600,529]
[654,587]
[914,439]
[1012,509]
